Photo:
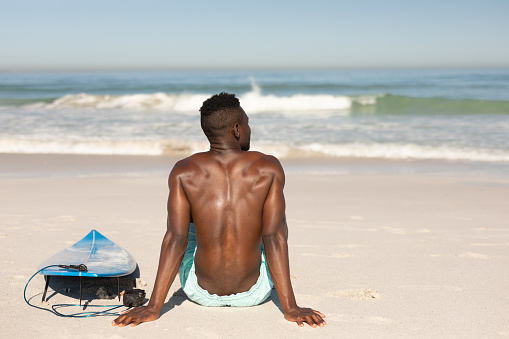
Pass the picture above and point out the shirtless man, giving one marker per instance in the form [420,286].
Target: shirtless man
[234,200]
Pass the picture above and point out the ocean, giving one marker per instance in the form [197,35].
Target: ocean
[451,115]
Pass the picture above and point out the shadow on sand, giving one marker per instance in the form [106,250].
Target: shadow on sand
[91,288]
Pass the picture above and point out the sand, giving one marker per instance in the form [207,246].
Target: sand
[382,250]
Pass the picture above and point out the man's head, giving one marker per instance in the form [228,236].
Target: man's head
[222,118]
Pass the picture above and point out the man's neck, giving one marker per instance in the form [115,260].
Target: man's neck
[224,147]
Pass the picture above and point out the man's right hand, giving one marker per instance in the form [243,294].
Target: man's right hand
[300,315]
[136,316]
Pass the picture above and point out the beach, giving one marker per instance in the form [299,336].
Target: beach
[383,248]
[390,119]
[397,192]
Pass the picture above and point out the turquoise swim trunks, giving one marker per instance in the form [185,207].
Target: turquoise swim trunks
[258,293]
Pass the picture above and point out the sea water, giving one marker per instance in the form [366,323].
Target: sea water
[452,115]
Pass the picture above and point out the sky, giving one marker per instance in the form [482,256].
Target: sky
[239,35]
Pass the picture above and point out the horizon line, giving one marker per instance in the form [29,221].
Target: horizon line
[242,69]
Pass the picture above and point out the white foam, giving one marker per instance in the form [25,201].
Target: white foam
[368,99]
[100,146]
[405,151]
[136,102]
[253,102]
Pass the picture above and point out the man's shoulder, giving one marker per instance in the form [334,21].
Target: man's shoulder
[266,162]
[199,162]
[186,165]
[263,157]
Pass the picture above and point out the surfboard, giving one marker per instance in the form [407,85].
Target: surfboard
[101,256]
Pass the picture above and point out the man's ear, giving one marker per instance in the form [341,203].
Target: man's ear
[236,131]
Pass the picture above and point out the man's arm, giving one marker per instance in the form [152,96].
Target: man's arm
[172,251]
[275,235]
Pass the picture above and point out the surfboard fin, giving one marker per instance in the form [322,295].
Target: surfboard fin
[45,288]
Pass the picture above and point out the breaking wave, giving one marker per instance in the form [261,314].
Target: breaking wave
[101,146]
[179,147]
[406,151]
[256,102]
[253,102]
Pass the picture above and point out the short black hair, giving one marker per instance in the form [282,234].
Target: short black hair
[218,113]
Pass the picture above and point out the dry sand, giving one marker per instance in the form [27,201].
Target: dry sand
[386,254]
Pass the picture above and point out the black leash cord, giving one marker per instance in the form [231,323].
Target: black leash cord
[81,268]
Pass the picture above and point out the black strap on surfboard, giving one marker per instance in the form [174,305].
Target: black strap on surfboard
[80,267]
[54,308]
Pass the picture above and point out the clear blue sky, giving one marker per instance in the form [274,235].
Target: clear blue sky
[256,34]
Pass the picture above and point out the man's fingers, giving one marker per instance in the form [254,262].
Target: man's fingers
[134,317]
[310,321]
[126,321]
[313,320]
[318,320]
[118,321]
[320,314]
[308,315]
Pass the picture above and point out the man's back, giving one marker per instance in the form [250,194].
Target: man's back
[235,199]
[227,193]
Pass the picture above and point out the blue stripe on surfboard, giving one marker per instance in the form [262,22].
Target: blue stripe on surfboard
[102,257]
